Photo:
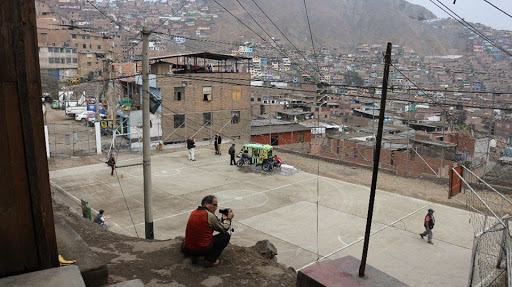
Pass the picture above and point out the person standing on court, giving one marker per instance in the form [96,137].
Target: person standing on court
[219,141]
[215,144]
[112,163]
[429,225]
[232,155]
[191,144]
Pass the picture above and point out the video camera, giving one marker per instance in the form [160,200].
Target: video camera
[224,211]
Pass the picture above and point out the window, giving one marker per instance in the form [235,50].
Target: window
[179,121]
[252,99]
[508,126]
[499,125]
[73,36]
[84,46]
[88,64]
[99,47]
[73,50]
[179,93]
[51,60]
[68,50]
[63,60]
[75,60]
[90,46]
[207,119]
[235,117]
[68,60]
[83,37]
[207,94]
[259,99]
[237,93]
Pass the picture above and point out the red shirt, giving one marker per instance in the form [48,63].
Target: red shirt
[198,233]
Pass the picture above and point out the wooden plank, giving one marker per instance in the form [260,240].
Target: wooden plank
[25,205]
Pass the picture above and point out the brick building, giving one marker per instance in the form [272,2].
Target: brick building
[503,128]
[203,94]
[90,49]
[276,132]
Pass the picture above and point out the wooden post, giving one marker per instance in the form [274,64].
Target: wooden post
[26,216]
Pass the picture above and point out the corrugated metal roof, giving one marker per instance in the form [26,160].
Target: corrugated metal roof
[204,55]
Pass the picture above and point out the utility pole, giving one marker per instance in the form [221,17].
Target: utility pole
[376,157]
[146,152]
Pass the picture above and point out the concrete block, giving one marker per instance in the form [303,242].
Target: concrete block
[68,276]
[344,272]
[72,247]
[131,283]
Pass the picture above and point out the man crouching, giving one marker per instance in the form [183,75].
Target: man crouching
[199,239]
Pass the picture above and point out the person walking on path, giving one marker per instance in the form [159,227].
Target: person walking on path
[429,225]
[191,144]
[112,163]
[219,141]
[215,144]
[232,155]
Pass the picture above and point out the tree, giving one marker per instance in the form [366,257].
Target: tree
[353,79]
[49,84]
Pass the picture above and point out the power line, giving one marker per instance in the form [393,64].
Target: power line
[303,56]
[109,18]
[436,103]
[270,37]
[311,36]
[151,31]
[498,8]
[469,26]
[279,51]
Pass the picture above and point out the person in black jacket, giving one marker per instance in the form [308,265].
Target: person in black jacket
[215,144]
[112,163]
[232,155]
[219,141]
[191,144]
[429,225]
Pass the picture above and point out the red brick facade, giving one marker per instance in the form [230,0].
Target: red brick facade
[230,93]
[403,163]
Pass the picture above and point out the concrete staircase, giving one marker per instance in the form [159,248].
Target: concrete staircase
[89,270]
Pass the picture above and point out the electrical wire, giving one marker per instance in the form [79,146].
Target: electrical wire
[275,48]
[469,26]
[270,37]
[232,82]
[311,36]
[499,9]
[296,49]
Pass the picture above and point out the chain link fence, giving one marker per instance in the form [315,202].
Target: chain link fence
[72,139]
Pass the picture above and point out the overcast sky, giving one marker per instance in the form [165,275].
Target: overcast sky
[476,11]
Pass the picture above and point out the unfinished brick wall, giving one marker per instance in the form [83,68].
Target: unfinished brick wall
[402,163]
[229,92]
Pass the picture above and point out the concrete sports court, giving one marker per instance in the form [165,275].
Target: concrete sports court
[282,207]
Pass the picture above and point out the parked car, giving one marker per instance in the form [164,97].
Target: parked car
[84,115]
[91,119]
